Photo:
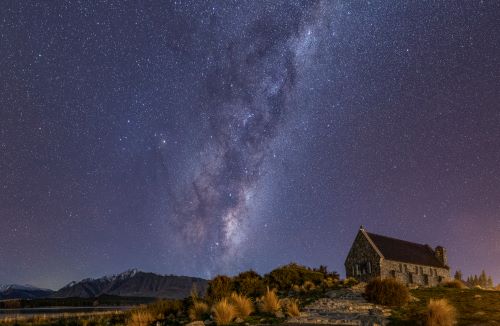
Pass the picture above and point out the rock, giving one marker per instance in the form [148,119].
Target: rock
[280,314]
[238,320]
[208,322]
[263,320]
[196,323]
[376,312]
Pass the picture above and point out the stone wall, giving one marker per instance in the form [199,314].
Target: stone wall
[362,262]
[413,274]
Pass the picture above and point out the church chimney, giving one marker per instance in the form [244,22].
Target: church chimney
[440,253]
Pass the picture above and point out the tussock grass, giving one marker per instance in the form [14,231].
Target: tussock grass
[198,311]
[387,292]
[140,317]
[269,302]
[243,305]
[308,286]
[292,307]
[223,312]
[440,313]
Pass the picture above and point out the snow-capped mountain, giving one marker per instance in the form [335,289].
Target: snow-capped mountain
[16,291]
[133,283]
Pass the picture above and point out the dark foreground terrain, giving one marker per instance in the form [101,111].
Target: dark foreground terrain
[474,306]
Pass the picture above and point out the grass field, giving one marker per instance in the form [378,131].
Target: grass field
[474,306]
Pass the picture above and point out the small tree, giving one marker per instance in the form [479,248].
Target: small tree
[219,287]
[249,283]
[458,275]
[483,279]
[489,282]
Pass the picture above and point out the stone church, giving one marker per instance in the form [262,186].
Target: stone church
[374,255]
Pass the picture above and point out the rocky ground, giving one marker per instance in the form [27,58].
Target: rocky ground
[342,307]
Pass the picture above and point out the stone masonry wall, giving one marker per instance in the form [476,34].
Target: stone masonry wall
[361,254]
[412,274]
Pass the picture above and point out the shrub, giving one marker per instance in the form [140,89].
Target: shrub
[242,305]
[219,287]
[198,311]
[350,281]
[284,277]
[308,286]
[223,312]
[440,313]
[329,282]
[387,292]
[249,283]
[455,284]
[140,317]
[292,307]
[269,302]
[162,308]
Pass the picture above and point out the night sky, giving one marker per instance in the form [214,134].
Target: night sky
[199,138]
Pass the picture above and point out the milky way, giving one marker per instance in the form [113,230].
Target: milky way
[250,87]
[205,137]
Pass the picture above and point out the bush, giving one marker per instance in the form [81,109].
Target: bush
[249,283]
[455,284]
[292,307]
[350,281]
[198,311]
[219,287]
[162,308]
[242,305]
[440,313]
[223,312]
[284,277]
[269,302]
[329,282]
[308,286]
[387,292]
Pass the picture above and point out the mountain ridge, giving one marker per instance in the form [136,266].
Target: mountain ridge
[135,283]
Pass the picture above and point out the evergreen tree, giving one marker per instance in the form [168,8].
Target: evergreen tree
[458,275]
[489,283]
[483,279]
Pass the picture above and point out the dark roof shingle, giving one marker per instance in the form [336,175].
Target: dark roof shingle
[404,251]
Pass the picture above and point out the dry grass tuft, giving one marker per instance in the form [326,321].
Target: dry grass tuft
[440,313]
[292,307]
[198,311]
[223,312]
[269,302]
[455,284]
[140,317]
[242,305]
[308,286]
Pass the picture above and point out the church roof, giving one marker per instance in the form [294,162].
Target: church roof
[404,251]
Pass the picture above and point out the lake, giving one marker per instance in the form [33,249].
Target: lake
[31,312]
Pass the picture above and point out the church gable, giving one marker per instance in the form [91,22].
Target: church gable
[363,260]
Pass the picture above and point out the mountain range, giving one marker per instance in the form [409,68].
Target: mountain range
[132,283]
[16,291]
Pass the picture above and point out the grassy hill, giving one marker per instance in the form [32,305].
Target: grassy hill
[474,306]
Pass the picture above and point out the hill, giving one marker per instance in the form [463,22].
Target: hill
[16,291]
[133,283]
